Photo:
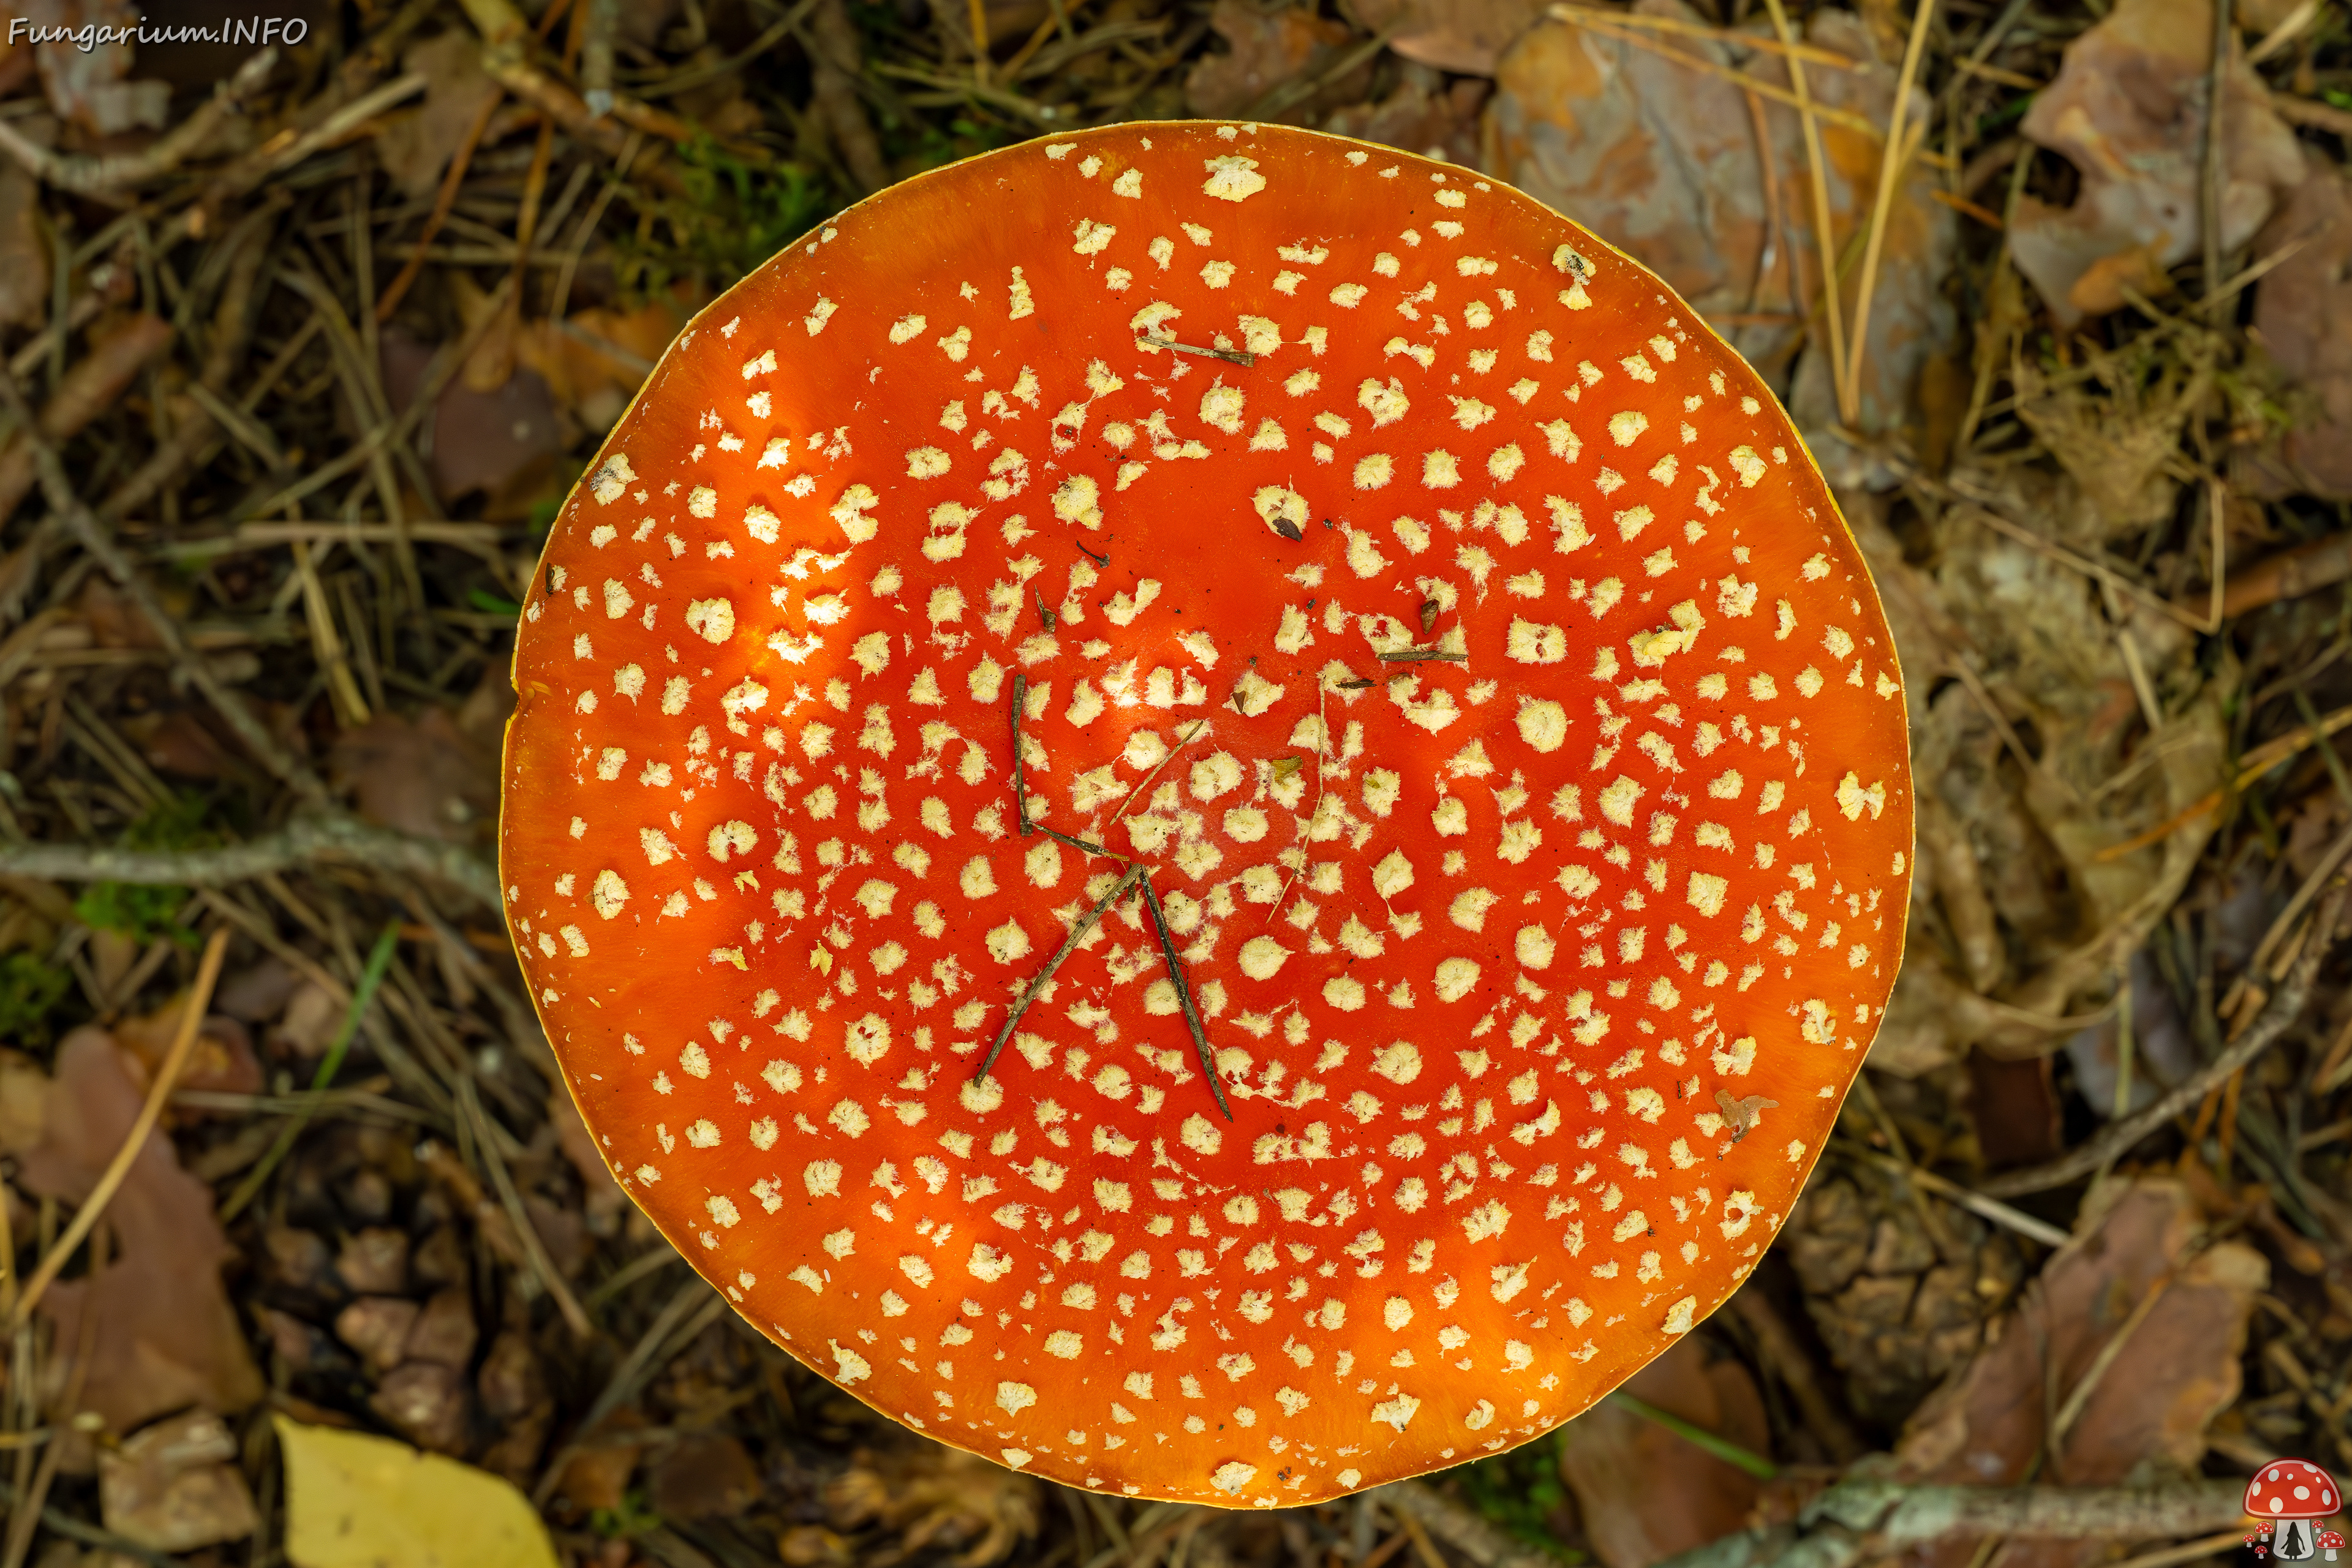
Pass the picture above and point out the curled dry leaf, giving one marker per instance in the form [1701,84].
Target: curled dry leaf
[421,775]
[934,1499]
[1646,1494]
[161,1334]
[2012,859]
[1424,114]
[1266,50]
[2303,321]
[174,1486]
[2146,1416]
[1662,160]
[358,1501]
[1464,35]
[2128,110]
[503,440]
[88,81]
[415,147]
[222,1061]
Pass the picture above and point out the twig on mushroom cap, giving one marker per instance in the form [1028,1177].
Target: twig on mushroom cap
[1143,784]
[1425,656]
[1232,356]
[1020,791]
[1078,933]
[1081,844]
[1184,996]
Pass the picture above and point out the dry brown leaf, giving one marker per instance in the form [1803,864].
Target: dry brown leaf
[503,442]
[1661,160]
[1642,1492]
[1423,114]
[929,1497]
[415,147]
[577,361]
[701,1476]
[2146,1417]
[421,775]
[161,1334]
[1265,50]
[1464,35]
[2128,110]
[2303,321]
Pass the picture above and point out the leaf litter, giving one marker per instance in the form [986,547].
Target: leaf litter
[2061,443]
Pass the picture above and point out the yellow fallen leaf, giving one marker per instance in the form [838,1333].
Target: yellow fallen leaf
[357,1502]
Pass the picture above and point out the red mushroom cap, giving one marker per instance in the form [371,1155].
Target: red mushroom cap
[1452,628]
[2293,1489]
[2331,1540]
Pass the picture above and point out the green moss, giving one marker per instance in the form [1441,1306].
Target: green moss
[140,911]
[729,219]
[29,991]
[1519,1491]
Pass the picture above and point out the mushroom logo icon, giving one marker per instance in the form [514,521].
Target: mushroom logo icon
[2292,1495]
[2331,1541]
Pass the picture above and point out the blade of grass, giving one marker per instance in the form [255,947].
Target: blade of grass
[378,960]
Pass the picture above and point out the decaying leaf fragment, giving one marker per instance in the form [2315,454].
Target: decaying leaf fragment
[2128,108]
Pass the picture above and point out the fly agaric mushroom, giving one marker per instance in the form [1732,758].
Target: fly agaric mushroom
[1350,622]
[2331,1541]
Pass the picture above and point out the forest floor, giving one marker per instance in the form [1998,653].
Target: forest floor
[304,347]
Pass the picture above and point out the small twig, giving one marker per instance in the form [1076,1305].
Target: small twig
[1144,784]
[303,841]
[1232,356]
[1078,933]
[184,1044]
[694,1308]
[1425,656]
[1020,791]
[443,202]
[2269,1025]
[1184,997]
[94,537]
[1080,844]
[2209,175]
[91,175]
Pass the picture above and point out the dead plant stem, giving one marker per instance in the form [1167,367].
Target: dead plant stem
[1824,231]
[1896,154]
